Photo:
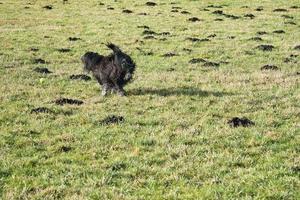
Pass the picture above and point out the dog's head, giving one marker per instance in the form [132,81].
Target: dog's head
[90,60]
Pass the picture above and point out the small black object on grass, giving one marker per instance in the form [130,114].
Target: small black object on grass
[251,16]
[49,7]
[42,70]
[149,3]
[265,47]
[38,61]
[41,110]
[63,101]
[279,31]
[170,54]
[269,67]
[74,38]
[194,19]
[297,47]
[280,10]
[65,149]
[127,11]
[236,122]
[64,50]
[113,119]
[80,77]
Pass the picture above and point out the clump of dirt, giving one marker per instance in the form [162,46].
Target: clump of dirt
[142,13]
[297,47]
[63,101]
[280,10]
[113,119]
[170,69]
[164,33]
[187,50]
[185,12]
[269,67]
[74,38]
[34,49]
[211,64]
[251,16]
[212,36]
[127,11]
[174,11]
[80,77]
[197,60]
[176,7]
[265,47]
[149,32]
[279,31]
[65,149]
[110,8]
[261,33]
[38,61]
[290,22]
[148,37]
[144,27]
[236,122]
[41,110]
[194,19]
[48,7]
[259,9]
[214,6]
[287,16]
[64,50]
[197,39]
[256,39]
[218,12]
[42,70]
[149,3]
[169,54]
[219,19]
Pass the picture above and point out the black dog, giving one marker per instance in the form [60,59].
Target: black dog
[113,72]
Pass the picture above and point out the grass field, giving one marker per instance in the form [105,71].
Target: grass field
[175,141]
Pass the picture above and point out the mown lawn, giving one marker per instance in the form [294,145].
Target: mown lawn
[199,68]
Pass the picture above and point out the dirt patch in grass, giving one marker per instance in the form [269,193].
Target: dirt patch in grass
[127,11]
[74,38]
[41,110]
[42,70]
[280,10]
[269,67]
[259,9]
[34,49]
[251,16]
[279,31]
[150,3]
[38,61]
[236,122]
[113,119]
[256,39]
[265,47]
[205,62]
[261,33]
[170,54]
[192,39]
[290,23]
[144,27]
[185,12]
[64,50]
[65,149]
[80,77]
[63,101]
[48,7]
[194,19]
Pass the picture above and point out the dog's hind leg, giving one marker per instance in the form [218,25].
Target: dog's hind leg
[119,89]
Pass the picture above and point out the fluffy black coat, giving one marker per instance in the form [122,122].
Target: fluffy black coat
[112,72]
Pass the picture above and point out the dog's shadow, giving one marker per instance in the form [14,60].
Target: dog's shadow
[186,91]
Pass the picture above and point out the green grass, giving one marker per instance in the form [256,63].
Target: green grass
[175,142]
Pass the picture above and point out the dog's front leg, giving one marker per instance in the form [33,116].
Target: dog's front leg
[119,89]
[105,89]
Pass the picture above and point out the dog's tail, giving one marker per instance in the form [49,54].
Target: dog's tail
[113,47]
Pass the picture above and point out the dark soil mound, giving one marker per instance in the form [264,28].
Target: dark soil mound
[80,77]
[269,67]
[113,119]
[236,122]
[74,38]
[194,19]
[38,61]
[64,50]
[127,11]
[197,60]
[169,54]
[265,47]
[279,31]
[42,70]
[256,39]
[63,101]
[280,10]
[48,7]
[149,3]
[251,16]
[41,110]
